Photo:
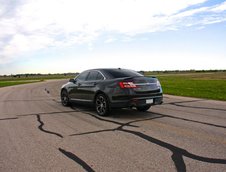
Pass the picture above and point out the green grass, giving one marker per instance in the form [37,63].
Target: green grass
[42,77]
[10,80]
[209,85]
[200,85]
[11,83]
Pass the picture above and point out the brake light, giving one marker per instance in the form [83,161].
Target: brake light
[127,85]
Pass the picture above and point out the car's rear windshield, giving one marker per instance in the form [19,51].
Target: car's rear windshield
[122,73]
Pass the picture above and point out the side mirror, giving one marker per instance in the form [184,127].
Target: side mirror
[72,80]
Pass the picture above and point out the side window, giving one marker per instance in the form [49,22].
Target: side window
[82,76]
[92,76]
[99,76]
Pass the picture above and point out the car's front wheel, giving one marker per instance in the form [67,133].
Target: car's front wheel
[143,108]
[101,104]
[64,98]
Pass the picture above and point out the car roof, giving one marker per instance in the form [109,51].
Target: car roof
[102,69]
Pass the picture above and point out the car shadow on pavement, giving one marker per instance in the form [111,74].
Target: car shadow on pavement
[124,113]
[132,114]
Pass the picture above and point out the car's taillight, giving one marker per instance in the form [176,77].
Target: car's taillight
[127,85]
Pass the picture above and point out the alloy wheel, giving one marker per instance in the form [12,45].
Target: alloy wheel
[64,98]
[101,105]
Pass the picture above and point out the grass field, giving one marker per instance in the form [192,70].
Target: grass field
[209,85]
[10,80]
[11,83]
[201,85]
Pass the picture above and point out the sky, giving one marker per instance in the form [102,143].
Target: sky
[60,36]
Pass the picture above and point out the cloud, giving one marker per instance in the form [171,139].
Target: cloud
[200,16]
[219,8]
[31,25]
[110,40]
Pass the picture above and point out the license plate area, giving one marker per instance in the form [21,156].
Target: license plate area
[149,101]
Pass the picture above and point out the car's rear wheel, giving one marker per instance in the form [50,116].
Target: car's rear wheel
[102,105]
[143,108]
[64,98]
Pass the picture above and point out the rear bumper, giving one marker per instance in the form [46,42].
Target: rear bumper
[134,102]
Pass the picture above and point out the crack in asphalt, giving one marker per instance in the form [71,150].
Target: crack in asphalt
[101,119]
[4,119]
[45,113]
[68,154]
[197,107]
[193,107]
[190,120]
[46,131]
[162,116]
[77,160]
[177,153]
[186,101]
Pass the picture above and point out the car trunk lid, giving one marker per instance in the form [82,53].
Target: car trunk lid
[142,84]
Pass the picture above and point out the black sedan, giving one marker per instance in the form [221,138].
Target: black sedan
[112,88]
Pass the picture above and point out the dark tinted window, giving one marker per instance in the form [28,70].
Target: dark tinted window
[82,76]
[94,75]
[121,73]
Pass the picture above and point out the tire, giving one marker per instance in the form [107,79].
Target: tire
[102,105]
[64,98]
[143,108]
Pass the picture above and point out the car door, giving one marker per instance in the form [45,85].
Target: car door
[75,91]
[88,88]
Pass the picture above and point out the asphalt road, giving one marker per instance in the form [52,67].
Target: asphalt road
[38,134]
